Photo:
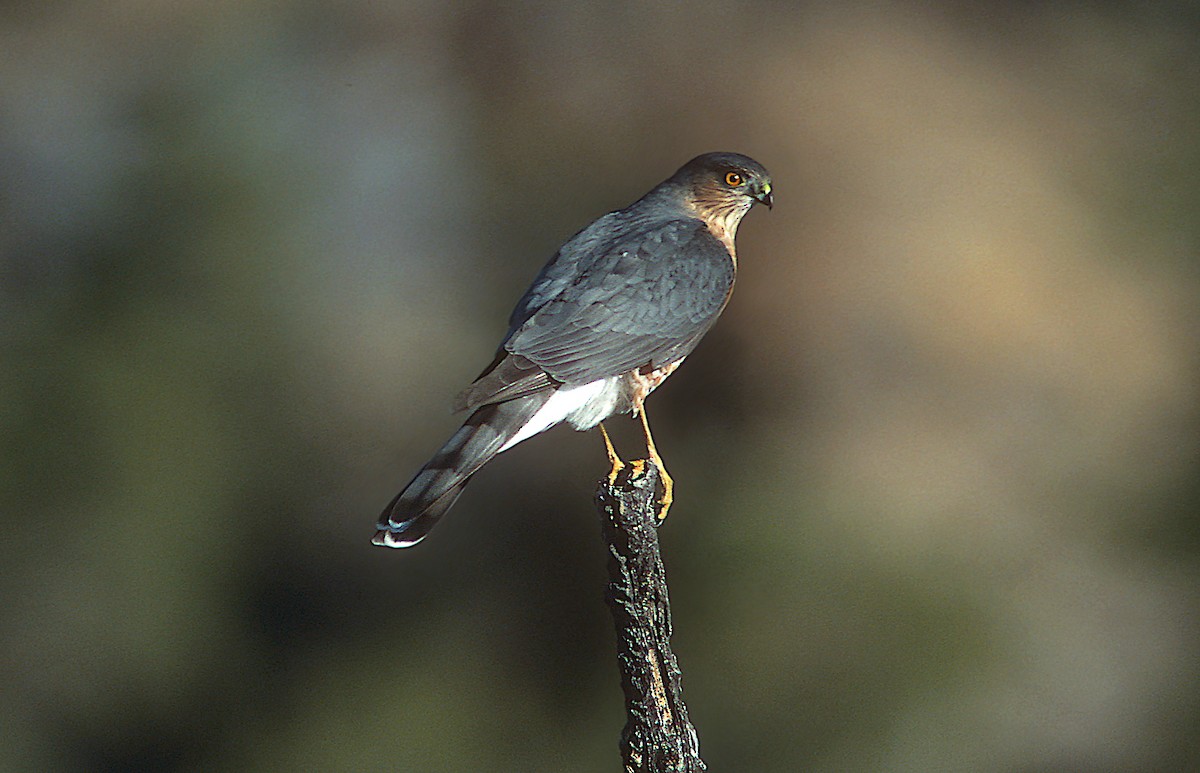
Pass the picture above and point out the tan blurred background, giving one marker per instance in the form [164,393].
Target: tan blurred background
[937,495]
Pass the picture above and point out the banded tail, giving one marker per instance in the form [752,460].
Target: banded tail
[415,510]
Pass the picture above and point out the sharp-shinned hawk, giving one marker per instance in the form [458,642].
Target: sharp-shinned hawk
[614,312]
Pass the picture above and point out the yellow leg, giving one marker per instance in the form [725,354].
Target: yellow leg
[613,459]
[668,495]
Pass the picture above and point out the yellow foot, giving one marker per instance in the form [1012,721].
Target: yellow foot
[613,459]
[668,485]
[665,481]
[668,493]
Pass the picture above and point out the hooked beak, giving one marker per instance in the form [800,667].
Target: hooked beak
[763,196]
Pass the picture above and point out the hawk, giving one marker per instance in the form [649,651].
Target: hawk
[614,312]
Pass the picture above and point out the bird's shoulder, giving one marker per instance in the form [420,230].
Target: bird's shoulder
[621,251]
[630,293]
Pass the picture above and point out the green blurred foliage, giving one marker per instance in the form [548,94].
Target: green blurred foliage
[936,467]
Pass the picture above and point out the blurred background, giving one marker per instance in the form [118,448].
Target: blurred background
[936,467]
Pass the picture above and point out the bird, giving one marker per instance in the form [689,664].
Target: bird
[610,316]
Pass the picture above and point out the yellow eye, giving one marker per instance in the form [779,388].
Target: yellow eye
[733,179]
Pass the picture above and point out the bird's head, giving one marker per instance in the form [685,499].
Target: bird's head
[726,179]
[720,188]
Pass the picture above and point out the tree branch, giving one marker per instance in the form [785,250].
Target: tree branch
[658,736]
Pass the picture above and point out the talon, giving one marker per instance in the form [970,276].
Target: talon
[668,483]
[668,494]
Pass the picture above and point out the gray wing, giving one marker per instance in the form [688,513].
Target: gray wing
[622,295]
[507,378]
